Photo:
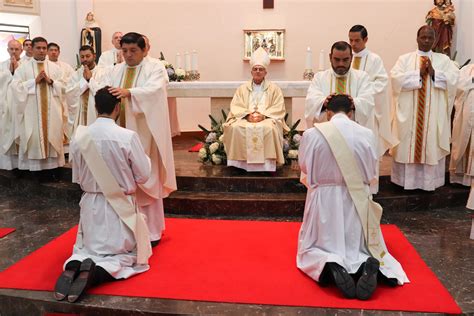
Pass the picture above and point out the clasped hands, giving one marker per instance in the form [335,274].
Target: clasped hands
[255,117]
[427,69]
[43,76]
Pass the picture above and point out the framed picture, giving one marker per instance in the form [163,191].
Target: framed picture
[9,32]
[273,41]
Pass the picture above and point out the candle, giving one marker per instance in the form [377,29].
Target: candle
[194,61]
[309,57]
[178,61]
[187,61]
[321,60]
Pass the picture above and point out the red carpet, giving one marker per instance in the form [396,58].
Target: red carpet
[239,261]
[195,148]
[6,231]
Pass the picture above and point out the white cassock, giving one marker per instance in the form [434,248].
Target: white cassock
[357,86]
[67,73]
[372,64]
[25,58]
[146,112]
[102,235]
[8,148]
[108,58]
[331,230]
[39,116]
[80,97]
[423,130]
[462,151]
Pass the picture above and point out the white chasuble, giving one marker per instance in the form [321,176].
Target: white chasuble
[255,146]
[80,97]
[462,152]
[108,58]
[372,64]
[39,114]
[356,84]
[422,122]
[146,112]
[332,230]
[8,146]
[102,235]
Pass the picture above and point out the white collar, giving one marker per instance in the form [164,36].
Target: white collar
[340,115]
[362,53]
[106,120]
[422,53]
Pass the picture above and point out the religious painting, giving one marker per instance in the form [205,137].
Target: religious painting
[9,32]
[20,6]
[273,41]
[19,3]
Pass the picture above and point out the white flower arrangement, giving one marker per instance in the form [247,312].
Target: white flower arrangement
[213,149]
[293,154]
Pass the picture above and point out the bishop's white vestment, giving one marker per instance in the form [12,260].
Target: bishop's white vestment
[146,112]
[8,146]
[462,152]
[102,235]
[422,121]
[332,230]
[39,114]
[255,146]
[372,64]
[108,58]
[80,97]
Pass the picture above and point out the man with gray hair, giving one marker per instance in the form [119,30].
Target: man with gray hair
[113,56]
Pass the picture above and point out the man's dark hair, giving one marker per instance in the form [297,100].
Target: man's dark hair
[27,40]
[341,46]
[361,29]
[105,102]
[38,39]
[53,45]
[86,47]
[425,27]
[133,38]
[340,103]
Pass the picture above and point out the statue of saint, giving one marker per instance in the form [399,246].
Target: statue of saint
[91,34]
[442,18]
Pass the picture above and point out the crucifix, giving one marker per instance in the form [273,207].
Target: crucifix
[268,4]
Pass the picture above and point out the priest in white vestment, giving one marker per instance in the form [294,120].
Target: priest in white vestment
[253,132]
[331,243]
[423,87]
[28,49]
[462,152]
[8,146]
[103,236]
[81,89]
[113,56]
[36,91]
[142,87]
[372,64]
[340,79]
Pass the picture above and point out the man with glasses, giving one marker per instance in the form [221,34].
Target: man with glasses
[253,133]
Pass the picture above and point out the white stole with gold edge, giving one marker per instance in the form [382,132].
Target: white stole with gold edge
[369,211]
[124,208]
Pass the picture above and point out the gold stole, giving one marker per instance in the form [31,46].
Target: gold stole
[43,89]
[341,85]
[85,105]
[127,84]
[356,63]
[420,115]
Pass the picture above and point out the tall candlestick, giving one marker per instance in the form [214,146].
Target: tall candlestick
[194,61]
[187,61]
[309,57]
[321,60]
[179,63]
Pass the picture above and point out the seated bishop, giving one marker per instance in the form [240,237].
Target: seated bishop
[253,132]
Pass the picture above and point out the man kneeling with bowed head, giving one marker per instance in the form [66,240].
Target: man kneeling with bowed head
[113,239]
[340,240]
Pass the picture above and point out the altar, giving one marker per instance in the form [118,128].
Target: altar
[221,92]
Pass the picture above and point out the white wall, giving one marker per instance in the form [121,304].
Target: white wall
[464,30]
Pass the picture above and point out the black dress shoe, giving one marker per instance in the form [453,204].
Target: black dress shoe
[368,281]
[155,243]
[64,282]
[82,281]
[342,279]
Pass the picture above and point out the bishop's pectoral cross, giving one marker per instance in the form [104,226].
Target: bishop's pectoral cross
[268,4]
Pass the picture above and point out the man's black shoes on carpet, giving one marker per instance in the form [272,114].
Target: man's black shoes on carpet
[64,282]
[367,282]
[342,279]
[82,281]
